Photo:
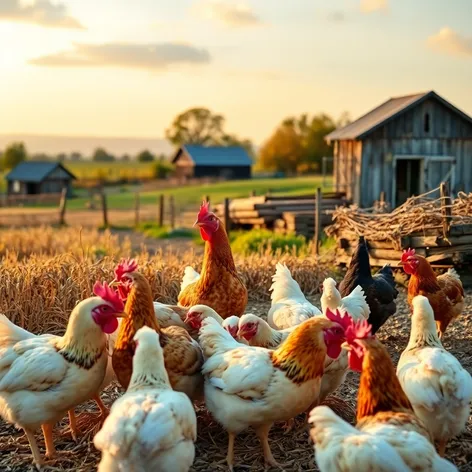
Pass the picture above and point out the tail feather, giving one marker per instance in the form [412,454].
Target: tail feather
[356,304]
[284,287]
[190,276]
[213,338]
[453,273]
[11,334]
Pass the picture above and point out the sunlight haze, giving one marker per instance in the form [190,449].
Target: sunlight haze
[125,69]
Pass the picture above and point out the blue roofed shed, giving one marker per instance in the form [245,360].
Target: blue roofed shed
[35,177]
[231,162]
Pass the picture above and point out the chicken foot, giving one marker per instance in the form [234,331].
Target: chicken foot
[37,459]
[73,425]
[103,409]
[263,435]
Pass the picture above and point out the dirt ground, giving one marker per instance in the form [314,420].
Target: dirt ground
[292,449]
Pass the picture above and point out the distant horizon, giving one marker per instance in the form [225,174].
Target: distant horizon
[113,69]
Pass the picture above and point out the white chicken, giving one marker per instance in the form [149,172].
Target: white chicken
[252,386]
[378,447]
[151,427]
[44,377]
[197,313]
[190,276]
[438,387]
[355,303]
[289,306]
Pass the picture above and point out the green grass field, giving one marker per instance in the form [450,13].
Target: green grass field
[191,195]
[111,171]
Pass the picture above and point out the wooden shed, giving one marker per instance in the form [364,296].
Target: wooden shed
[36,177]
[404,147]
[228,162]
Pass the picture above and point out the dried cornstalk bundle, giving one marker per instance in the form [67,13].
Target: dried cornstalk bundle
[417,215]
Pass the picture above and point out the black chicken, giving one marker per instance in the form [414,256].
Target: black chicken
[379,290]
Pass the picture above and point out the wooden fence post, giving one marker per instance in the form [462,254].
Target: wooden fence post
[161,210]
[382,197]
[172,212]
[62,207]
[207,198]
[445,208]
[227,220]
[136,209]
[317,235]
[104,209]
[252,193]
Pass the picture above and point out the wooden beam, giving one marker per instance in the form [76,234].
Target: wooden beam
[62,207]
[445,208]
[317,221]
[227,220]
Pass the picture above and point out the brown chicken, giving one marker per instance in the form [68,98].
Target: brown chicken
[444,292]
[219,285]
[388,435]
[381,398]
[182,355]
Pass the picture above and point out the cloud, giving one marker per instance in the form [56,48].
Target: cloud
[448,41]
[232,16]
[136,56]
[336,17]
[370,6]
[40,12]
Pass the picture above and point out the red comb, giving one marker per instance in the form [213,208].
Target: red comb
[358,330]
[109,295]
[342,319]
[407,253]
[125,267]
[204,210]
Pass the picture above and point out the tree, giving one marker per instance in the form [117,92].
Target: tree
[100,155]
[282,151]
[75,156]
[145,156]
[196,126]
[13,155]
[61,157]
[125,158]
[309,134]
[41,156]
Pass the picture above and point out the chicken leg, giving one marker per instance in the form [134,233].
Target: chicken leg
[263,435]
[37,459]
[73,424]
[442,447]
[50,448]
[230,454]
[103,409]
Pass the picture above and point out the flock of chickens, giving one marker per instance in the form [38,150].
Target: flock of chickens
[249,372]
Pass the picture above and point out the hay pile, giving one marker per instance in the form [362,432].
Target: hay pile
[417,215]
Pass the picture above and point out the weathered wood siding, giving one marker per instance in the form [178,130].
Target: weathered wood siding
[448,135]
[347,168]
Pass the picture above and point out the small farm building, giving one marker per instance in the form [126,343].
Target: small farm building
[232,162]
[404,147]
[34,177]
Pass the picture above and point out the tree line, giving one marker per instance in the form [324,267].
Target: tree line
[297,144]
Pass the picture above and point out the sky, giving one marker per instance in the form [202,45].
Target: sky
[125,68]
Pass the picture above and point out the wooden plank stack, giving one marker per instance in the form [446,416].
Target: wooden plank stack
[291,214]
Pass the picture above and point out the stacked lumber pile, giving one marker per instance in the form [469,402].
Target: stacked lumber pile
[293,214]
[439,229]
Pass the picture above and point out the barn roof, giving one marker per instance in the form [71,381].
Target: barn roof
[385,112]
[35,171]
[235,156]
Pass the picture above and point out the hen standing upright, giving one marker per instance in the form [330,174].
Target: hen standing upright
[380,291]
[219,285]
[445,292]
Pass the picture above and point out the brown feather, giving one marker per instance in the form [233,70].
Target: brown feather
[219,285]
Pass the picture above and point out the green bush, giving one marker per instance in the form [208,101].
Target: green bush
[257,241]
[153,230]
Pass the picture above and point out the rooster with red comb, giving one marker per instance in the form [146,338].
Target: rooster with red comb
[219,285]
[444,292]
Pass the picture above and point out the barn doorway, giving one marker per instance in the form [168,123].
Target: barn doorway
[408,179]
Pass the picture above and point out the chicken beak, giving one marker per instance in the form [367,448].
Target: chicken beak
[346,346]
[197,223]
[121,315]
[114,283]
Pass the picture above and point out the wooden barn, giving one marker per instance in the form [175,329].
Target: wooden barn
[404,147]
[232,162]
[35,177]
